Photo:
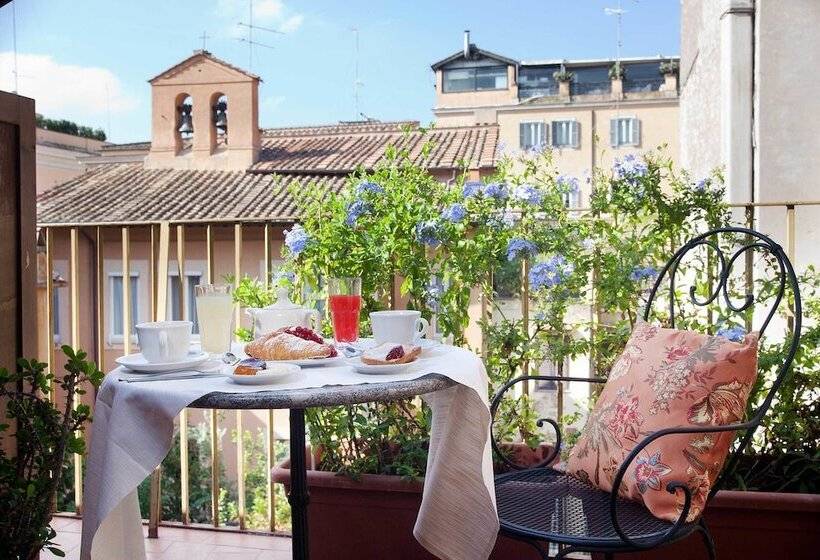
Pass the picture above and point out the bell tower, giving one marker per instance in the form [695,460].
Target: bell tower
[204,115]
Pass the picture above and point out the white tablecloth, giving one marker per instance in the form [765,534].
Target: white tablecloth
[133,430]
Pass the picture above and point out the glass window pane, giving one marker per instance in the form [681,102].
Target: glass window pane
[193,281]
[491,78]
[173,288]
[116,305]
[134,307]
[459,79]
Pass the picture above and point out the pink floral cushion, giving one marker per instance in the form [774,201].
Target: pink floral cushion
[666,378]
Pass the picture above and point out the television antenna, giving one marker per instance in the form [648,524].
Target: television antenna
[357,83]
[249,39]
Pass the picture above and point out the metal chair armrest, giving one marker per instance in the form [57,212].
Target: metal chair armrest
[671,487]
[496,401]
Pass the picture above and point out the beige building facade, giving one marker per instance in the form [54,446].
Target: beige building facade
[750,105]
[61,157]
[583,110]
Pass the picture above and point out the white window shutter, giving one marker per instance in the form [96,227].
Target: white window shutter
[613,132]
[636,131]
[522,135]
[576,135]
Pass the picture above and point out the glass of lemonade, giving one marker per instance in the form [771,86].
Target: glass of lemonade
[214,310]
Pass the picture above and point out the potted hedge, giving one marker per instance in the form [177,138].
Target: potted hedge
[43,432]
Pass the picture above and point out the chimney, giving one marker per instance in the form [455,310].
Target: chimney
[466,43]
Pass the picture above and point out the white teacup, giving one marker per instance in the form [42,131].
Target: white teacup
[402,327]
[164,341]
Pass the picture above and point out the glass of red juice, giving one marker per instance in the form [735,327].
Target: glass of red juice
[345,303]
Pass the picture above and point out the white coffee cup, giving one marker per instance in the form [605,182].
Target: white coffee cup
[401,327]
[164,341]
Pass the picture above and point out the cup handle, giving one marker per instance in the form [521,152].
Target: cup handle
[421,332]
[163,344]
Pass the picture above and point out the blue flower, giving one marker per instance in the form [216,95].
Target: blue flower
[368,187]
[472,188]
[701,185]
[297,239]
[428,232]
[630,168]
[435,289]
[569,183]
[735,334]
[550,273]
[520,247]
[356,209]
[642,273]
[284,275]
[497,191]
[454,213]
[527,193]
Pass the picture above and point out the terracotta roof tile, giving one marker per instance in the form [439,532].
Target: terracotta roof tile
[325,149]
[128,193]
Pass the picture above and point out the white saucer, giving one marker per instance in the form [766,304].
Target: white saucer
[138,363]
[380,369]
[274,373]
[311,362]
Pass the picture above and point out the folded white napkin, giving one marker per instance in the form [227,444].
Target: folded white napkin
[133,429]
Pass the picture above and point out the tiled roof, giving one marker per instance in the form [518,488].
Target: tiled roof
[340,152]
[128,193]
[356,127]
[127,146]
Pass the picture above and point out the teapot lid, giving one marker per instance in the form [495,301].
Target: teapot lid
[283,301]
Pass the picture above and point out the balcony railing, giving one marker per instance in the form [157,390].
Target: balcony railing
[158,241]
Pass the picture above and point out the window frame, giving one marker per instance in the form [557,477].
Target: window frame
[112,337]
[545,134]
[615,131]
[474,78]
[190,298]
[574,133]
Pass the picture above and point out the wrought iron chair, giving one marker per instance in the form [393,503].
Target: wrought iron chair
[539,505]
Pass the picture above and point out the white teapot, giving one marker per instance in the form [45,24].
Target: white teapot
[283,313]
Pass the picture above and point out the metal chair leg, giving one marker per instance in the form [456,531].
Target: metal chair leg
[708,542]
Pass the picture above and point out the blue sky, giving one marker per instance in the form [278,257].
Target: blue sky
[89,61]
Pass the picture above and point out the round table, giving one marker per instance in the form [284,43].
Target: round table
[297,400]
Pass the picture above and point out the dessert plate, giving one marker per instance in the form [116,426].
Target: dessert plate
[311,362]
[138,363]
[379,369]
[275,372]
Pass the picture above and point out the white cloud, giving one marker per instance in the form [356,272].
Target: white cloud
[273,102]
[267,13]
[83,93]
[292,23]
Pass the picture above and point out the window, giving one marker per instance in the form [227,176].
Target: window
[565,134]
[55,314]
[624,131]
[572,199]
[191,281]
[117,309]
[475,79]
[532,135]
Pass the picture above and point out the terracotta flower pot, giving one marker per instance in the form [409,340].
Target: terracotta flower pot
[373,517]
[748,525]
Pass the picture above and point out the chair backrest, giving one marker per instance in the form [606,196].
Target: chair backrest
[753,241]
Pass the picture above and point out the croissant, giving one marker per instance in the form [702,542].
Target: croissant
[280,345]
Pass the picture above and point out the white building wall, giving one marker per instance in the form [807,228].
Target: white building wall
[775,155]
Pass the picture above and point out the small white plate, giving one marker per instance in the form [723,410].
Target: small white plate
[311,362]
[138,363]
[381,369]
[274,373]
